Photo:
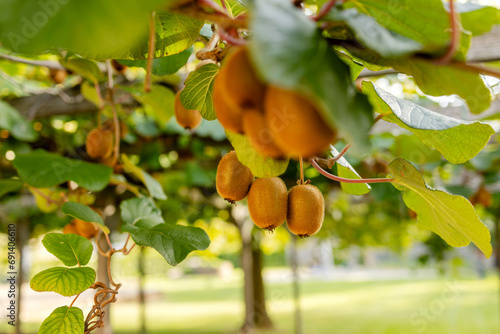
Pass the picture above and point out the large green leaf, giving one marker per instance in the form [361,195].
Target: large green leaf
[457,140]
[258,164]
[41,169]
[162,65]
[376,37]
[135,209]
[154,187]
[71,249]
[295,56]
[94,28]
[345,170]
[86,68]
[83,212]
[65,281]
[63,320]
[173,242]
[452,217]
[478,19]
[15,123]
[9,186]
[159,102]
[197,95]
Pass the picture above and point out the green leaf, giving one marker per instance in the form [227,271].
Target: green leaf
[34,26]
[424,21]
[452,217]
[162,65]
[476,18]
[12,121]
[41,169]
[197,95]
[135,209]
[173,242]
[71,249]
[89,93]
[159,102]
[64,281]
[280,57]
[63,320]
[457,140]
[344,169]
[154,187]
[83,212]
[447,80]
[86,68]
[376,37]
[10,186]
[258,164]
[42,196]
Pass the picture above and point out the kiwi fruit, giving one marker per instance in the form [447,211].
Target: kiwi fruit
[230,117]
[99,143]
[259,134]
[85,229]
[233,179]
[188,119]
[70,228]
[306,210]
[267,202]
[298,127]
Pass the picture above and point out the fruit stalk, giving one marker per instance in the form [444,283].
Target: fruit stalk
[342,179]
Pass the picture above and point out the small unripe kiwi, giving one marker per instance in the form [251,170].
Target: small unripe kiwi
[259,134]
[70,228]
[85,229]
[306,210]
[299,129]
[99,143]
[188,119]
[239,81]
[267,202]
[233,179]
[230,117]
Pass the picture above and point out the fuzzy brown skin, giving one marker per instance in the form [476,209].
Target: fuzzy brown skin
[259,134]
[188,119]
[99,143]
[306,210]
[267,202]
[299,129]
[231,118]
[233,179]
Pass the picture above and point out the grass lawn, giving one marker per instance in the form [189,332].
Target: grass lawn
[206,304]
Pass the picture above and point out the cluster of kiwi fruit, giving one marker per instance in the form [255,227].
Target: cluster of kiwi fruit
[278,122]
[269,202]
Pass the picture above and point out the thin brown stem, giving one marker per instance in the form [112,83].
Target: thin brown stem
[341,179]
[455,36]
[152,42]
[477,68]
[47,198]
[341,153]
[324,10]
[224,35]
[116,151]
[301,170]
[126,252]
[109,243]
[74,300]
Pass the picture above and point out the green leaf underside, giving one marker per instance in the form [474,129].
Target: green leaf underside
[325,79]
[138,208]
[83,212]
[258,164]
[173,242]
[86,68]
[63,320]
[197,95]
[344,169]
[15,123]
[458,141]
[41,169]
[154,187]
[376,37]
[65,281]
[9,186]
[159,102]
[452,217]
[162,65]
[476,18]
[71,249]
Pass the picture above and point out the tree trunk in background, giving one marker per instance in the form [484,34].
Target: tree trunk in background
[23,235]
[102,276]
[247,264]
[260,317]
[296,286]
[142,296]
